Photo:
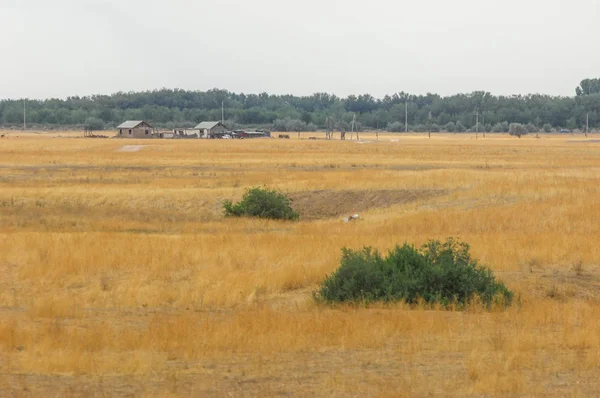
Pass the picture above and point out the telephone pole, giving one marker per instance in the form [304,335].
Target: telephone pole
[477,126]
[24,114]
[483,124]
[587,124]
[429,125]
[222,113]
[406,115]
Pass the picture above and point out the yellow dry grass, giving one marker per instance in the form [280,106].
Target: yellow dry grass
[119,276]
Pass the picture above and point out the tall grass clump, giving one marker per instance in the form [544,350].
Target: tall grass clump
[262,203]
[438,272]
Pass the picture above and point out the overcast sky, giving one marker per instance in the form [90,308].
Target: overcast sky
[79,47]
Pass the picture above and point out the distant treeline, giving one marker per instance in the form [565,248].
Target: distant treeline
[179,108]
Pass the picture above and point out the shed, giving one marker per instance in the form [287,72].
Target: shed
[134,129]
[209,129]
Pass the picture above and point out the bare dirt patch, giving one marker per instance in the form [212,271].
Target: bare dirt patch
[312,205]
[131,148]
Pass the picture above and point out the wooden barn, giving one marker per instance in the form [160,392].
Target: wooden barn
[209,129]
[134,129]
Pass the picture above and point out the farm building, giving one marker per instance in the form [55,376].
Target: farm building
[209,129]
[134,129]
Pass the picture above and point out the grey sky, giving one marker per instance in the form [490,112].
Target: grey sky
[78,47]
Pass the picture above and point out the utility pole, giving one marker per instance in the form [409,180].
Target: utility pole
[406,115]
[483,124]
[587,124]
[477,125]
[429,125]
[353,124]
[222,113]
[24,114]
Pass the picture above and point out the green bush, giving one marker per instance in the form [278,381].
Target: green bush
[547,128]
[262,203]
[459,127]
[517,129]
[450,127]
[437,273]
[395,127]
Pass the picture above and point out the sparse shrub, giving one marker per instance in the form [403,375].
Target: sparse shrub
[262,203]
[438,272]
[517,129]
[547,128]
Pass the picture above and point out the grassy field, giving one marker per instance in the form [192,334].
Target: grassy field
[120,276]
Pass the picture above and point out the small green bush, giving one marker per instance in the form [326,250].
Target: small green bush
[437,273]
[262,203]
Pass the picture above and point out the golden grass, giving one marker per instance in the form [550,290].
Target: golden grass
[118,274]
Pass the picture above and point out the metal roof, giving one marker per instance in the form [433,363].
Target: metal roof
[207,125]
[131,124]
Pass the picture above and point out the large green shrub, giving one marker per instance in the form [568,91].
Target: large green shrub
[262,203]
[438,272]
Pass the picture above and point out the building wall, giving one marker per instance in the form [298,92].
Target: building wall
[142,131]
[217,129]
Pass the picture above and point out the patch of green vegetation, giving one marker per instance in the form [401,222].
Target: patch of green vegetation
[262,203]
[438,272]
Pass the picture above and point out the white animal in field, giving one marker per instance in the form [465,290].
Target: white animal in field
[350,218]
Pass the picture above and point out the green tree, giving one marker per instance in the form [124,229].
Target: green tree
[94,123]
[532,128]
[587,87]
[395,127]
[168,108]
[517,129]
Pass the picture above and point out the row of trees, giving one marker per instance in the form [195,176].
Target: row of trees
[180,108]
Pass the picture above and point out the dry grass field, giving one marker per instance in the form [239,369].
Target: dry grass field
[119,276]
